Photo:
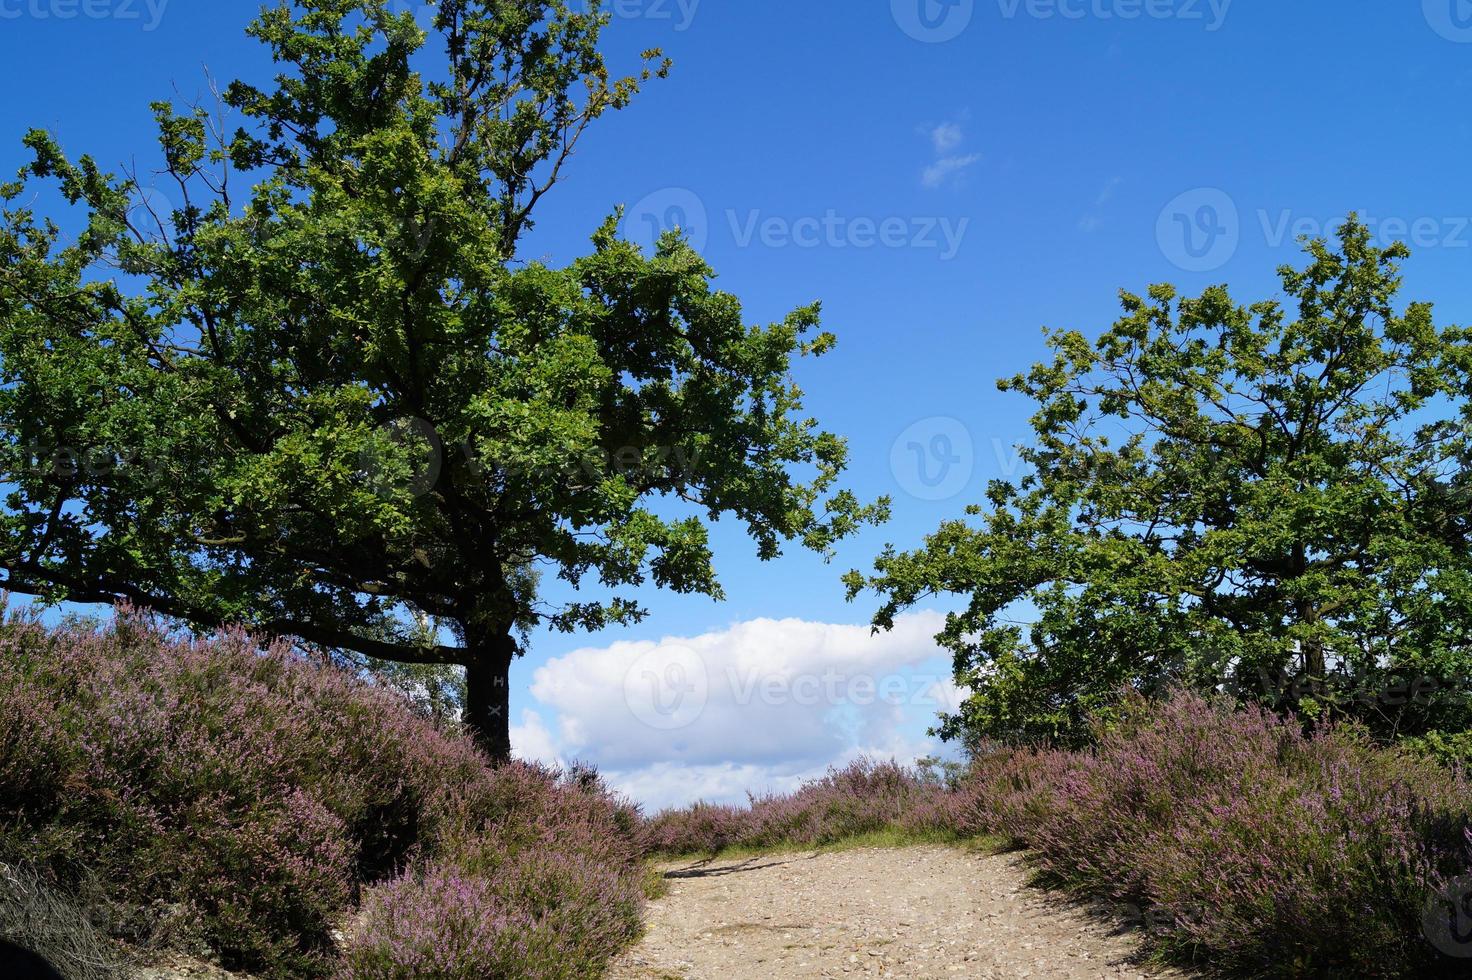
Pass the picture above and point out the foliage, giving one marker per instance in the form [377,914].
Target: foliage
[328,398]
[1270,497]
[239,799]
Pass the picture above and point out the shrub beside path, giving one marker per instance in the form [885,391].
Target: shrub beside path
[913,912]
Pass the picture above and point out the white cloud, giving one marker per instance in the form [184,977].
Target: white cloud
[949,166]
[942,171]
[532,741]
[948,695]
[946,137]
[1093,219]
[666,784]
[761,705]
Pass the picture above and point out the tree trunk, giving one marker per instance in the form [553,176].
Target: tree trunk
[488,696]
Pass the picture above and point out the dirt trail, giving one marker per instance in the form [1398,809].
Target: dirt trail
[915,912]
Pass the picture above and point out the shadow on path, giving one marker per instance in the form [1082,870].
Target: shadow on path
[710,869]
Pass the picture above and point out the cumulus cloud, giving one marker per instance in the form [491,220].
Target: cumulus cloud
[532,741]
[761,705]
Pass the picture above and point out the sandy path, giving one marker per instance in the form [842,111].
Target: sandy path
[910,912]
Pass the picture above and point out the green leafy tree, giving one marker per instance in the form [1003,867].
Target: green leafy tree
[1268,498]
[324,395]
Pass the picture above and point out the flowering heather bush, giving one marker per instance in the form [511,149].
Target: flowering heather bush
[238,800]
[441,924]
[703,828]
[543,881]
[862,798]
[542,915]
[1268,850]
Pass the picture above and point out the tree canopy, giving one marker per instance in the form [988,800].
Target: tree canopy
[1267,498]
[325,396]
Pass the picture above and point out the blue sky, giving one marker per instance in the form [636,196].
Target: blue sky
[948,178]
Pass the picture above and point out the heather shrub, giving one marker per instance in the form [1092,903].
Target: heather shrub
[1146,772]
[537,878]
[702,828]
[864,797]
[286,862]
[521,806]
[542,915]
[234,801]
[1263,848]
[551,871]
[442,924]
[1330,866]
[1011,792]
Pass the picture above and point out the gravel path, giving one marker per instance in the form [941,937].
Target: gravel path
[903,913]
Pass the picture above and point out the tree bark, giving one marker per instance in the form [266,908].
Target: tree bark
[488,695]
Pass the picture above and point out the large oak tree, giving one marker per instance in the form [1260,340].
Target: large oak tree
[323,394]
[1270,498]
